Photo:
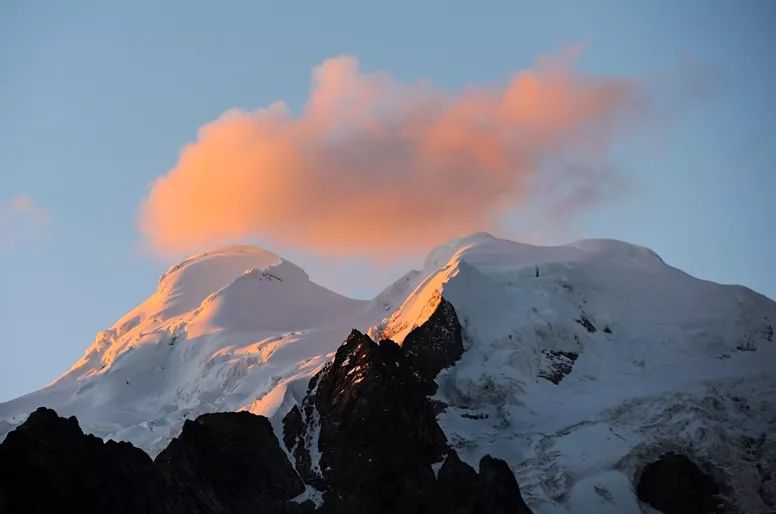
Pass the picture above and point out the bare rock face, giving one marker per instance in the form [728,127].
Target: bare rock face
[366,434]
[227,463]
[556,365]
[459,489]
[436,344]
[221,463]
[675,485]
[48,464]
[376,432]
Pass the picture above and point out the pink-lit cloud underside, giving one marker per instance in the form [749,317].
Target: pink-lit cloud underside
[375,164]
[21,221]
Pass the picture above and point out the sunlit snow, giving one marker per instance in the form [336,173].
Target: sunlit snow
[582,361]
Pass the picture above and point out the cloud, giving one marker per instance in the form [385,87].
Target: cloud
[21,221]
[373,165]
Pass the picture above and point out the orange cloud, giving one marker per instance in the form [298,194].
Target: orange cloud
[372,164]
[21,220]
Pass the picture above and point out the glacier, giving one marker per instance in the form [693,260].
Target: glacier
[582,362]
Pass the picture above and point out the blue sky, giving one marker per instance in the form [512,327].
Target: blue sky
[97,100]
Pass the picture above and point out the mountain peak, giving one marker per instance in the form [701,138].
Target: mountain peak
[259,258]
[189,282]
[440,255]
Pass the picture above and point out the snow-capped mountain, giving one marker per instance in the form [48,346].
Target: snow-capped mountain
[233,329]
[581,363]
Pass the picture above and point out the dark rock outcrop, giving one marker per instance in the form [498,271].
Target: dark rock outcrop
[556,365]
[436,344]
[227,463]
[221,463]
[498,491]
[585,322]
[376,432]
[460,490]
[366,434]
[675,485]
[49,465]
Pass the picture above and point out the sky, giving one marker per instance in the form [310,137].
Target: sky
[351,138]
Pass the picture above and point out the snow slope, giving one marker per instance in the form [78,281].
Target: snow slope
[582,363]
[658,361]
[237,328]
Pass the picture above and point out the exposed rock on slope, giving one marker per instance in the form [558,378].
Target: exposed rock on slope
[49,465]
[372,433]
[436,344]
[229,463]
[366,435]
[674,485]
[222,463]
[459,489]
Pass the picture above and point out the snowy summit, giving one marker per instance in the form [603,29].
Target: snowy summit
[581,362]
